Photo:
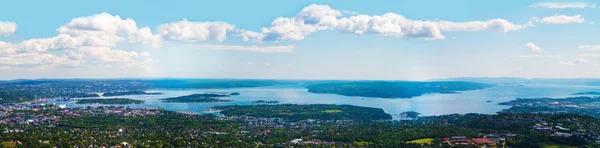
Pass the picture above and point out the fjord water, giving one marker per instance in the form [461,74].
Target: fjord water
[476,101]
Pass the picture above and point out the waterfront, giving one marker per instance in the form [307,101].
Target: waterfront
[476,101]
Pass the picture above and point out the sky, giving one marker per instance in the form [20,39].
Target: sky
[351,39]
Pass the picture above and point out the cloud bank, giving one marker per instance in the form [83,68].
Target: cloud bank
[558,5]
[315,18]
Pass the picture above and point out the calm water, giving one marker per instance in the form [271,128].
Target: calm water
[430,104]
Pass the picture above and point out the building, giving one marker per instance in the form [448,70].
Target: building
[296,141]
[483,142]
[460,140]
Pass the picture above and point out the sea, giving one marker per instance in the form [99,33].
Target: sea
[483,101]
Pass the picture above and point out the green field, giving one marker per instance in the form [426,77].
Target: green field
[421,141]
[553,145]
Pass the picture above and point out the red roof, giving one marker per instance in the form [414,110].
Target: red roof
[482,141]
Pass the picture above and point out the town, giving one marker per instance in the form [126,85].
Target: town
[40,125]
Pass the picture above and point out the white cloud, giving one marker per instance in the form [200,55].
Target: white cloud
[36,60]
[84,40]
[581,61]
[8,48]
[7,28]
[195,31]
[577,61]
[100,30]
[557,5]
[350,12]
[589,47]
[321,17]
[533,47]
[105,54]
[287,48]
[562,19]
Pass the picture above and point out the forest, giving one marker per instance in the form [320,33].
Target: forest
[303,112]
[206,97]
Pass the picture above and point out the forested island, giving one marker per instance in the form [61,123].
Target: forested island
[303,112]
[392,89]
[199,98]
[110,101]
[265,102]
[410,114]
[125,93]
[588,93]
[211,83]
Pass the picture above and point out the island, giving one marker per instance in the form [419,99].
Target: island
[393,89]
[198,98]
[409,115]
[125,93]
[110,101]
[303,112]
[265,102]
[588,93]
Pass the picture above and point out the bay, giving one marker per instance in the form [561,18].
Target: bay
[482,101]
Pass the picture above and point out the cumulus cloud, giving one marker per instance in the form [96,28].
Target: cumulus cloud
[100,30]
[562,19]
[7,28]
[350,12]
[589,47]
[533,47]
[558,5]
[315,18]
[88,39]
[8,48]
[195,31]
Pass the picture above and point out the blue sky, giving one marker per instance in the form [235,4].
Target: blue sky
[407,40]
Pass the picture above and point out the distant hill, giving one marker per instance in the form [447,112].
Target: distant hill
[510,80]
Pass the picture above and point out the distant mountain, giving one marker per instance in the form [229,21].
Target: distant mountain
[511,80]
